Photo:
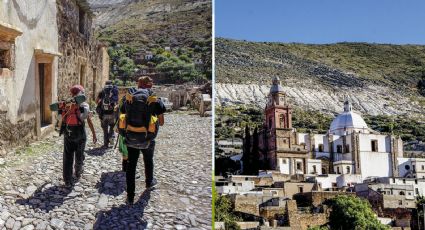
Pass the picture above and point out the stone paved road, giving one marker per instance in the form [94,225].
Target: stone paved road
[32,196]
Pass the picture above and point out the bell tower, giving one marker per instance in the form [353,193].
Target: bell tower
[278,112]
[283,150]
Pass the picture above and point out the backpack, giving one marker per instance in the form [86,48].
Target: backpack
[140,125]
[108,100]
[72,125]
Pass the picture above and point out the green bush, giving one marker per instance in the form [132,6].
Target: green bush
[223,212]
[349,212]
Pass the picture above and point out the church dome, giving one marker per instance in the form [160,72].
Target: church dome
[348,121]
[276,87]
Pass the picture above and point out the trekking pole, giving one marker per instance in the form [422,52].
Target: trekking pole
[118,139]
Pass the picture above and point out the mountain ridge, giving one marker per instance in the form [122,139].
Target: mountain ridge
[146,24]
[379,78]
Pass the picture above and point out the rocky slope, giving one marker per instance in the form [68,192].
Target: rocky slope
[378,79]
[144,24]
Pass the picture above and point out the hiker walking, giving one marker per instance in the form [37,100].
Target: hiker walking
[74,112]
[107,101]
[121,130]
[143,115]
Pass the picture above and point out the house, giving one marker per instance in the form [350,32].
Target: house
[40,59]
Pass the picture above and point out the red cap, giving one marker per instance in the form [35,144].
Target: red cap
[76,89]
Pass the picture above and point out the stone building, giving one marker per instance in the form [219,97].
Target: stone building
[39,51]
[84,60]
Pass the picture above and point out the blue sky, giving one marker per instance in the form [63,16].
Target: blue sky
[322,21]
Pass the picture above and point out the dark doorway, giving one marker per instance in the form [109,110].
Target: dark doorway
[45,83]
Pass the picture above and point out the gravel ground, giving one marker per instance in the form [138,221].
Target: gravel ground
[32,195]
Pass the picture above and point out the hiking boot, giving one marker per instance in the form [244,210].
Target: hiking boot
[130,200]
[77,177]
[152,184]
[68,185]
[124,165]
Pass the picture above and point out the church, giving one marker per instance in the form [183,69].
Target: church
[350,152]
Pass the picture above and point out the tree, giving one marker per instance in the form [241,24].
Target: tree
[223,212]
[420,202]
[126,67]
[246,152]
[349,212]
[255,154]
[176,69]
[421,85]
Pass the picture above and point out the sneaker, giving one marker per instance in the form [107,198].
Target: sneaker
[152,185]
[130,200]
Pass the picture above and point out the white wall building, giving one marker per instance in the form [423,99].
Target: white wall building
[350,149]
[234,186]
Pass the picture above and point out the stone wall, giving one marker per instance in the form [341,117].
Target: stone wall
[84,60]
[317,198]
[13,134]
[272,213]
[302,221]
[246,204]
[248,225]
[398,201]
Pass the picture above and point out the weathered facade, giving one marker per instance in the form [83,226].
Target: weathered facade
[85,61]
[29,60]
[39,49]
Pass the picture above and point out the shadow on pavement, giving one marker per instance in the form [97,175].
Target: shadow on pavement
[124,216]
[99,151]
[112,183]
[47,199]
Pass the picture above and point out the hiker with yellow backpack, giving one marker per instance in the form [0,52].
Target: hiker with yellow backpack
[140,118]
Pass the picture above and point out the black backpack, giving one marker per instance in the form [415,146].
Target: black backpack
[107,104]
[138,112]
[138,116]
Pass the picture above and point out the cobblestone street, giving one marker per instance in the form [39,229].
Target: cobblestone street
[32,196]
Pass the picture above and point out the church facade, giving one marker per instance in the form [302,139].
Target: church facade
[350,152]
